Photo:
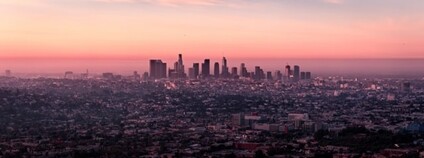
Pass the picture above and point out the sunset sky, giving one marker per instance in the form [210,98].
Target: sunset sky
[139,29]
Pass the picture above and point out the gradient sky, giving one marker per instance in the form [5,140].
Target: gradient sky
[140,29]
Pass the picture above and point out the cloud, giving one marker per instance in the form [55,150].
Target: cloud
[334,1]
[168,2]
[20,2]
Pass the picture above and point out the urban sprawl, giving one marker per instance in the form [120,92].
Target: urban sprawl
[227,113]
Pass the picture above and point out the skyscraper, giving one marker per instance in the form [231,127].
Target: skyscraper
[180,60]
[269,75]
[242,67]
[206,68]
[180,67]
[153,68]
[172,73]
[225,72]
[259,73]
[178,71]
[243,70]
[308,75]
[191,73]
[296,73]
[287,74]
[302,75]
[157,69]
[234,72]
[278,75]
[196,70]
[216,70]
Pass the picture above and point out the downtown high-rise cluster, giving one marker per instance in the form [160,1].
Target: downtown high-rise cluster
[159,70]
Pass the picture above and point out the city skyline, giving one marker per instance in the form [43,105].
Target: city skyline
[350,67]
[140,29]
[284,70]
[159,70]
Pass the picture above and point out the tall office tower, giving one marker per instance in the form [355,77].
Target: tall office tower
[191,73]
[296,73]
[176,66]
[180,62]
[242,66]
[243,70]
[259,73]
[216,70]
[308,75]
[172,73]
[269,75]
[153,68]
[157,69]
[178,71]
[251,75]
[287,74]
[206,68]
[8,73]
[278,75]
[196,70]
[234,72]
[302,75]
[162,70]
[225,72]
[262,74]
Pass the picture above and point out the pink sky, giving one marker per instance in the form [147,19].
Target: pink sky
[142,29]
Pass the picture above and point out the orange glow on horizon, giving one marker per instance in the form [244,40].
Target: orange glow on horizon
[117,30]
